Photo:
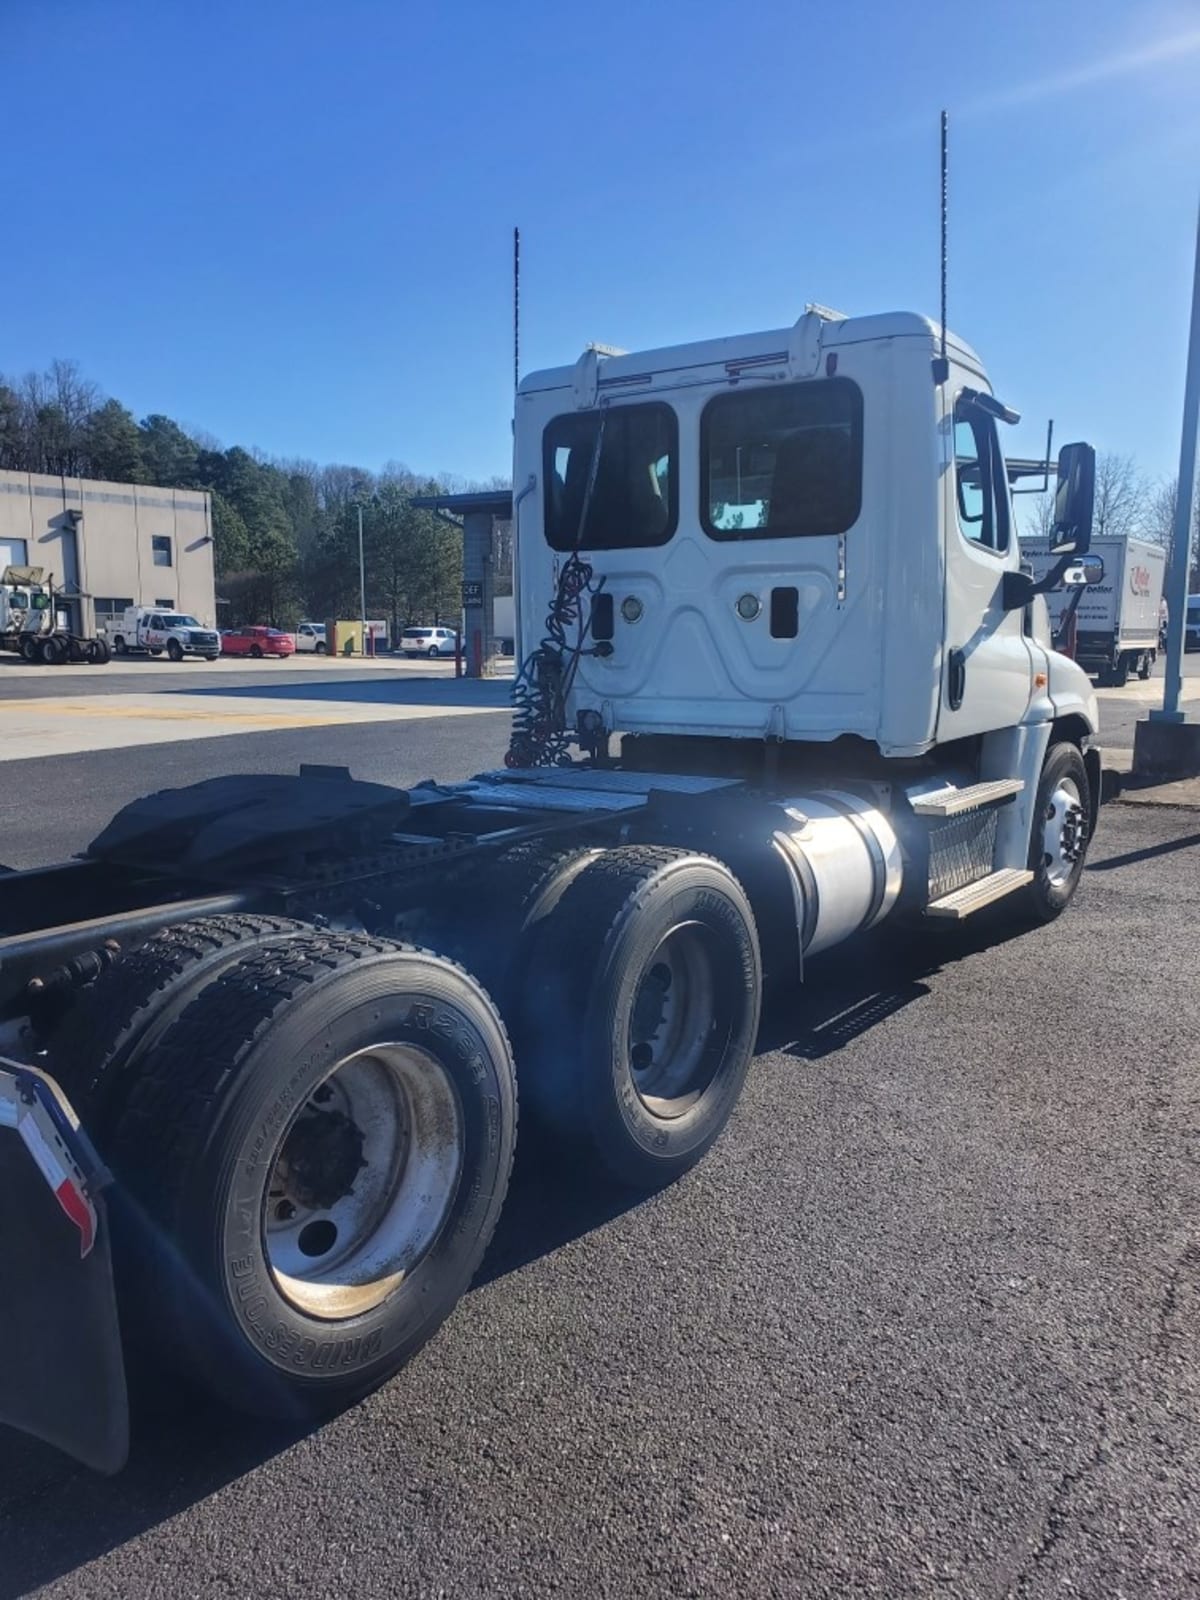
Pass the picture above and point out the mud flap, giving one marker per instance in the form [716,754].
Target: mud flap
[62,1377]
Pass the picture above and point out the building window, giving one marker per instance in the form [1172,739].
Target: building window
[13,553]
[634,496]
[167,605]
[981,482]
[160,544]
[782,463]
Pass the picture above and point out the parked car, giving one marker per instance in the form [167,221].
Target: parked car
[311,636]
[257,642]
[427,642]
[1191,625]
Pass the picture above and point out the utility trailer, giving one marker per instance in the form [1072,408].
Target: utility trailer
[29,625]
[782,680]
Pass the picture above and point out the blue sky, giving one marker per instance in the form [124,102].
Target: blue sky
[290,223]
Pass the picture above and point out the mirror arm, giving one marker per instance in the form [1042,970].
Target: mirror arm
[1019,588]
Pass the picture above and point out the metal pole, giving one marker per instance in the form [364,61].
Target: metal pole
[1181,543]
[362,584]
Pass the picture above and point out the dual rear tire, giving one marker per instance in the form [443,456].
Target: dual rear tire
[639,1012]
[312,1133]
[312,1136]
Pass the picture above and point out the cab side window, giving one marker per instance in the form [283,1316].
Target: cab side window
[980,481]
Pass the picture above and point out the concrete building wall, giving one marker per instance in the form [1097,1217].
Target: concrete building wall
[110,543]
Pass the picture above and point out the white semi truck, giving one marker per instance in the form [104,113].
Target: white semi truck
[782,679]
[30,624]
[1115,623]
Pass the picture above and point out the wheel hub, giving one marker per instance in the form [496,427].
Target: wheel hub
[671,1023]
[321,1159]
[363,1180]
[1064,836]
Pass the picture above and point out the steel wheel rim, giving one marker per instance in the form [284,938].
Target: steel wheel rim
[673,1021]
[1064,833]
[362,1181]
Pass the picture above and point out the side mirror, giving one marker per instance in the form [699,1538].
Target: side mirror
[1085,573]
[1074,500]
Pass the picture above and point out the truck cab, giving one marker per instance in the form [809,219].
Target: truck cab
[795,535]
[26,611]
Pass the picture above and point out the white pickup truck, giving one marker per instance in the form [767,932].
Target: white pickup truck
[155,630]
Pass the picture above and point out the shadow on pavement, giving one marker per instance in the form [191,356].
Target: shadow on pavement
[391,691]
[844,998]
[1148,854]
[55,1515]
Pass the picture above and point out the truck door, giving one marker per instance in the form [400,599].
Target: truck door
[152,633]
[987,676]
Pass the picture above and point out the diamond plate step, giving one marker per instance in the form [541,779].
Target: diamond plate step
[952,800]
[976,895]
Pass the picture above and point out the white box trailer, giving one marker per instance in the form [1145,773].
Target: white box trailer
[1117,622]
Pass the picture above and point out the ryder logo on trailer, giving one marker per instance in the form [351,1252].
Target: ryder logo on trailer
[1139,581]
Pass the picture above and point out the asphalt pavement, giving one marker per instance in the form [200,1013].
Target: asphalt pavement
[54,806]
[1121,709]
[923,1323]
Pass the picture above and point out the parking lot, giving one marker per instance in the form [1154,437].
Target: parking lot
[922,1323]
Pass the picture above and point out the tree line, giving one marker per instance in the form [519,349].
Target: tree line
[285,532]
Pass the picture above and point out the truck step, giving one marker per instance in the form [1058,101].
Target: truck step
[976,895]
[951,800]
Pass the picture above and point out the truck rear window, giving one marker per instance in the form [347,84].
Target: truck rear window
[783,462]
[634,500]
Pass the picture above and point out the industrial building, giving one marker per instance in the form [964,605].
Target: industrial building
[110,545]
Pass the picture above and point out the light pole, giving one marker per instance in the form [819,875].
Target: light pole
[362,580]
[1181,546]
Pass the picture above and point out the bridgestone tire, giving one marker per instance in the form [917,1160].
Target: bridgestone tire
[1119,676]
[1044,900]
[29,649]
[96,651]
[53,652]
[119,646]
[199,1141]
[628,916]
[256,652]
[129,1008]
[174,650]
[320,650]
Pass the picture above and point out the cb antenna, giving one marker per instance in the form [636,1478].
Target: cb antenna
[516,309]
[941,367]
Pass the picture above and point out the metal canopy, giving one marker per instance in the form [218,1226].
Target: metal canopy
[494,502]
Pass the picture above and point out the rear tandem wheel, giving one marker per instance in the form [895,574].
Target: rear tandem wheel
[317,1153]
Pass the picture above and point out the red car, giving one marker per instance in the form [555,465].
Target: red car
[257,642]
